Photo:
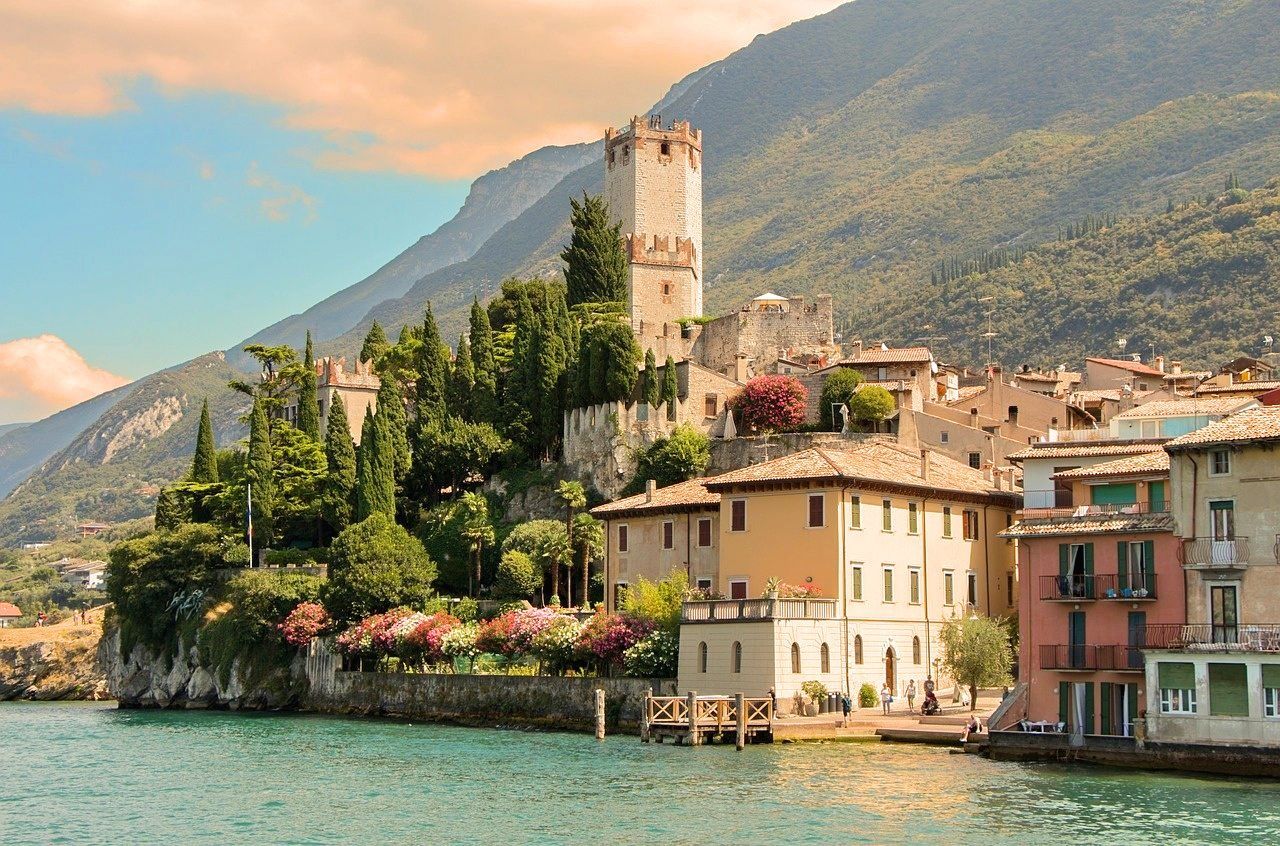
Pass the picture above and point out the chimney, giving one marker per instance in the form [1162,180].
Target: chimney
[650,486]
[987,470]
[855,349]
[973,418]
[740,367]
[1175,367]
[1160,363]
[924,465]
[999,479]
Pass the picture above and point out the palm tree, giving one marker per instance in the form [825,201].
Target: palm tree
[555,551]
[588,535]
[478,531]
[574,497]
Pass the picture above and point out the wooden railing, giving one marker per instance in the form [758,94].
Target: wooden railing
[739,610]
[696,717]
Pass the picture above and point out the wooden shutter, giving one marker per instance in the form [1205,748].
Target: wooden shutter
[704,532]
[668,535]
[1148,561]
[1064,700]
[1088,559]
[1271,675]
[1177,675]
[1131,697]
[815,510]
[1122,564]
[1228,690]
[1106,708]
[1064,559]
[1088,708]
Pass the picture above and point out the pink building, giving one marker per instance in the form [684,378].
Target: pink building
[1092,576]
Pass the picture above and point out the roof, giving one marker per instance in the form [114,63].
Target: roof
[968,392]
[1131,366]
[1188,374]
[893,355]
[1156,461]
[1098,394]
[771,297]
[1184,407]
[1260,423]
[680,496]
[8,609]
[1032,376]
[1084,449]
[1091,525]
[876,462]
[1254,387]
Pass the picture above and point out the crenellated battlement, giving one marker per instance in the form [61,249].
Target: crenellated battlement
[664,250]
[331,372]
[643,130]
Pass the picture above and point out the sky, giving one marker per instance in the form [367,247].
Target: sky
[177,174]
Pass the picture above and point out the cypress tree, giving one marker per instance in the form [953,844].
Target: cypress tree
[204,467]
[484,398]
[260,473]
[308,407]
[433,372]
[375,485]
[670,387]
[375,343]
[595,264]
[340,480]
[462,382]
[391,411]
[652,390]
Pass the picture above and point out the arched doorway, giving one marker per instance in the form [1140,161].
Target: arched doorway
[891,669]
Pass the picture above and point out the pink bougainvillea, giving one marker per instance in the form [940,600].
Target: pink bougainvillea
[373,635]
[605,637]
[306,621]
[799,591]
[773,403]
[424,643]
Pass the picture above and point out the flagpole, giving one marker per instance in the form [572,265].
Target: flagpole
[249,512]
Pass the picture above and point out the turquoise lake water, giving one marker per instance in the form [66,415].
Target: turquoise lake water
[88,773]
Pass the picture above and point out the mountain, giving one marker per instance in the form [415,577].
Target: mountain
[494,198]
[6,428]
[24,449]
[112,469]
[851,152]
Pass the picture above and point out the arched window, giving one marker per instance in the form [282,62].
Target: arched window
[857,649]
[795,658]
[702,657]
[737,657]
[915,650]
[825,658]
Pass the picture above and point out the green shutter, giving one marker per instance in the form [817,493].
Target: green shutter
[1122,564]
[1106,707]
[1064,700]
[1121,494]
[1088,708]
[1155,494]
[1149,559]
[1228,690]
[1177,675]
[1088,559]
[1271,675]
[1132,697]
[1064,558]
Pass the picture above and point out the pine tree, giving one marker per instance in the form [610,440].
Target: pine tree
[433,372]
[308,407]
[462,383]
[204,467]
[391,410]
[260,473]
[484,399]
[595,264]
[340,480]
[375,343]
[652,389]
[375,485]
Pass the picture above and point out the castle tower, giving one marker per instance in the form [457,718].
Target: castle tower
[653,184]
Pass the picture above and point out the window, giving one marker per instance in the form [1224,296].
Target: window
[737,657]
[887,516]
[948,588]
[882,374]
[710,405]
[1149,428]
[855,582]
[855,512]
[1271,690]
[888,584]
[737,515]
[824,657]
[944,437]
[664,148]
[737,588]
[702,657]
[704,583]
[1009,583]
[913,582]
[915,650]
[622,538]
[816,515]
[795,658]
[666,289]
[857,649]
[1228,690]
[1177,687]
[642,412]
[946,521]
[970,524]
[973,588]
[975,460]
[668,535]
[704,531]
[1222,520]
[913,519]
[1220,463]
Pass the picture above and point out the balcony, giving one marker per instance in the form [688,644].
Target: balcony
[1211,637]
[1210,553]
[1056,505]
[1089,658]
[1132,587]
[751,610]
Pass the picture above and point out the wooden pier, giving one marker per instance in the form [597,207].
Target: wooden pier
[693,720]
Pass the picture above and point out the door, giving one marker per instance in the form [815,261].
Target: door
[1222,522]
[890,671]
[1076,640]
[1137,638]
[1225,609]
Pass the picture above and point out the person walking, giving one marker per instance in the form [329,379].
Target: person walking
[911,696]
[886,698]
[846,705]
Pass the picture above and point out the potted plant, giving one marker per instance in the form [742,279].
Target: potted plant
[771,587]
[816,692]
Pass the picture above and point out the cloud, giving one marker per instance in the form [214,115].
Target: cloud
[438,87]
[282,198]
[41,375]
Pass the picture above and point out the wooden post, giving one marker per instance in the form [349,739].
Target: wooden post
[599,713]
[739,702]
[644,714]
[694,738]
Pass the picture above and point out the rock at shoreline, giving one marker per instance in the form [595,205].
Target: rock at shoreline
[55,662]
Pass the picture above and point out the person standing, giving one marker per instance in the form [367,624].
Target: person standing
[846,705]
[911,696]
[886,698]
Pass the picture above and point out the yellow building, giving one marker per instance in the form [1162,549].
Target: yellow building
[895,541]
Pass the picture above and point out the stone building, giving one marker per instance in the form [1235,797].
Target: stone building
[358,389]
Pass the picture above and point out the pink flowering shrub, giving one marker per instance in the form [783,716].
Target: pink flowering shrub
[425,642]
[494,635]
[605,637]
[805,591]
[372,635]
[308,620]
[773,403]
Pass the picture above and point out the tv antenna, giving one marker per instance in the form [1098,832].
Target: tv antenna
[990,334]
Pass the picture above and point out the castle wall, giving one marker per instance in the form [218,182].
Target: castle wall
[761,336]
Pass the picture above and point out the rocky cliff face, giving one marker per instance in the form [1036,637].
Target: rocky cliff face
[57,668]
[142,679]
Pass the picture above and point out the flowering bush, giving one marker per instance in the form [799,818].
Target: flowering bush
[657,655]
[425,642]
[494,636]
[460,642]
[773,403]
[556,645]
[605,637]
[372,635]
[306,621]
[799,591]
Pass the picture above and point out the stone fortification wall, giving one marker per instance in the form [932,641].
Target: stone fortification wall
[762,335]
[739,452]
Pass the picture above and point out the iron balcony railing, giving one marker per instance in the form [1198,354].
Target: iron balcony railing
[1128,586]
[740,610]
[1215,552]
[1039,508]
[1214,637]
[1086,657]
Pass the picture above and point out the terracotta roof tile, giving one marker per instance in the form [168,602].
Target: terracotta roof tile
[8,609]
[1131,366]
[1093,524]
[1261,423]
[1084,449]
[1189,406]
[1260,386]
[1156,461]
[875,355]
[679,495]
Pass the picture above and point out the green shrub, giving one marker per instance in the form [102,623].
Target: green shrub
[243,620]
[838,389]
[518,576]
[867,696]
[376,566]
[682,456]
[815,690]
[657,602]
